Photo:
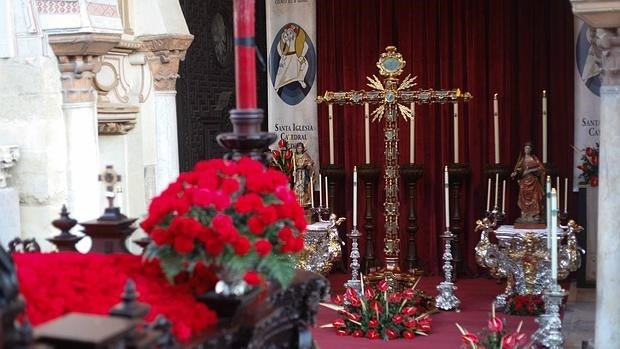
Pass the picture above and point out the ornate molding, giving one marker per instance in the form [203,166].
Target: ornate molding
[116,122]
[598,13]
[609,42]
[164,52]
[81,44]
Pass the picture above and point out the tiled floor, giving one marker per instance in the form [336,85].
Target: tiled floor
[579,315]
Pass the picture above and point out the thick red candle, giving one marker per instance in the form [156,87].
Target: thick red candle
[245,52]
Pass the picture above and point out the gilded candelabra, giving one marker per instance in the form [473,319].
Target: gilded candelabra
[393,98]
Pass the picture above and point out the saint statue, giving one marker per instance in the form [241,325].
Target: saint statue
[302,175]
[530,174]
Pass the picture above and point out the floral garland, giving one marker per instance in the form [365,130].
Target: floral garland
[494,336]
[379,313]
[589,166]
[54,284]
[528,304]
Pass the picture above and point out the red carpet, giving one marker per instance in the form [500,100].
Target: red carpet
[476,296]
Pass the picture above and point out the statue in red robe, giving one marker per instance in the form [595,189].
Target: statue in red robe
[530,174]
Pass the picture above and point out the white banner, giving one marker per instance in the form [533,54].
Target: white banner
[587,104]
[291,63]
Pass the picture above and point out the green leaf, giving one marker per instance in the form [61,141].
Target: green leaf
[278,267]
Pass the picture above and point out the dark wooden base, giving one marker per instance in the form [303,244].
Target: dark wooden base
[530,225]
[226,307]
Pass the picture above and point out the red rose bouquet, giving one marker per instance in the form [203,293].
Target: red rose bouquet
[379,313]
[494,336]
[239,217]
[589,166]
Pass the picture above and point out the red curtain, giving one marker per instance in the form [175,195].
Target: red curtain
[515,48]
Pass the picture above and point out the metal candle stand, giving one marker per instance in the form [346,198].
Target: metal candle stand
[446,300]
[549,332]
[354,283]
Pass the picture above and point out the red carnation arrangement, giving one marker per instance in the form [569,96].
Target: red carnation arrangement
[527,304]
[238,216]
[379,313]
[494,336]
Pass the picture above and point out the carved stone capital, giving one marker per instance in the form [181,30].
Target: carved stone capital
[78,62]
[76,75]
[164,52]
[609,42]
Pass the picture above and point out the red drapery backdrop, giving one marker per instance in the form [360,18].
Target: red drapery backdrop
[515,48]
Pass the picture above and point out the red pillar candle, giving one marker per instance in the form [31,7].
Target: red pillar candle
[245,64]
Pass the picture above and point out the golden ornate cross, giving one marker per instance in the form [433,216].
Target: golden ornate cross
[392,98]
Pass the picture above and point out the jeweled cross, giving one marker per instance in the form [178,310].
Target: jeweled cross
[390,96]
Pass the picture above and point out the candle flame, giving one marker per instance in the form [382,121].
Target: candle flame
[495,96]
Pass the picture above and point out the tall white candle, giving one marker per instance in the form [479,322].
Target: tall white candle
[330,108]
[367,132]
[544,125]
[496,127]
[565,195]
[320,190]
[496,188]
[456,132]
[504,196]
[489,195]
[548,207]
[326,193]
[412,135]
[557,189]
[446,196]
[554,237]
[354,195]
[312,191]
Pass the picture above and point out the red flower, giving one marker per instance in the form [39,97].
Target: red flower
[339,299]
[373,323]
[408,334]
[495,325]
[357,333]
[242,245]
[513,340]
[256,225]
[369,293]
[183,244]
[391,333]
[408,293]
[375,306]
[394,297]
[397,319]
[252,278]
[410,323]
[342,332]
[338,323]
[409,310]
[230,185]
[372,334]
[469,338]
[263,247]
[383,285]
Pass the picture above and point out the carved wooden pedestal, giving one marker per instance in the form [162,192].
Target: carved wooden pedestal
[411,174]
[458,173]
[369,175]
[109,236]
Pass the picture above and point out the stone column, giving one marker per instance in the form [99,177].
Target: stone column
[164,53]
[608,254]
[9,198]
[78,63]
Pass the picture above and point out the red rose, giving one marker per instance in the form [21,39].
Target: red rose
[202,197]
[285,234]
[268,214]
[214,247]
[248,202]
[252,278]
[221,222]
[183,244]
[221,200]
[263,247]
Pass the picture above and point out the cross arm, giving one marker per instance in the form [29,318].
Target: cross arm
[351,97]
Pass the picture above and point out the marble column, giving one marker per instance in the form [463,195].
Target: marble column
[164,53]
[78,62]
[9,198]
[608,253]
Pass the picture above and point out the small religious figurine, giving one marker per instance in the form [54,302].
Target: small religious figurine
[530,174]
[110,178]
[303,175]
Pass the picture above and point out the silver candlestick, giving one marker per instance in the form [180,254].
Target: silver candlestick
[446,300]
[549,332]
[354,283]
